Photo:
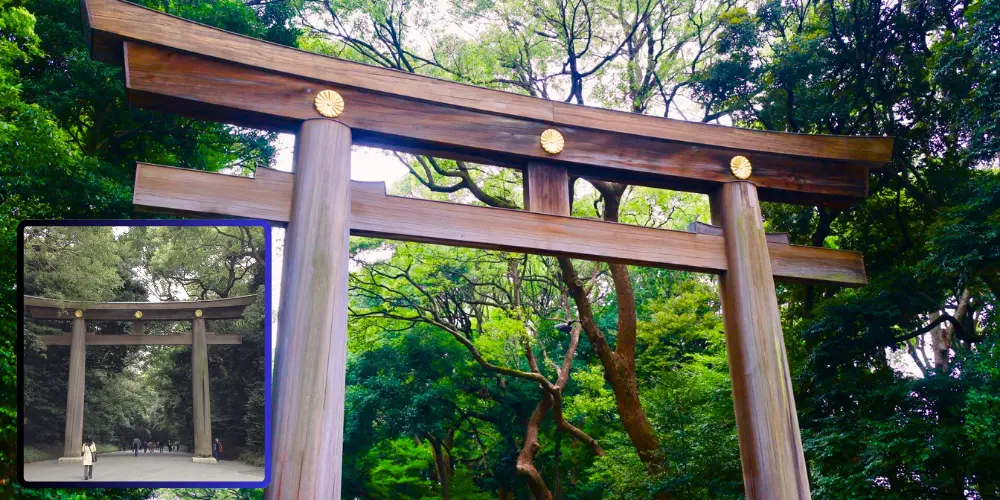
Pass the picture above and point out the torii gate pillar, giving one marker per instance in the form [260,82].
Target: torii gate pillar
[201,402]
[768,428]
[311,358]
[74,394]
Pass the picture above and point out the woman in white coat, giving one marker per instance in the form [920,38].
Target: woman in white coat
[89,457]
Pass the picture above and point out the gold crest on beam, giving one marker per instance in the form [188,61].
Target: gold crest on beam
[329,103]
[740,166]
[552,141]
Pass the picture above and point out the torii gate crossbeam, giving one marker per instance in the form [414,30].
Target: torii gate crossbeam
[182,67]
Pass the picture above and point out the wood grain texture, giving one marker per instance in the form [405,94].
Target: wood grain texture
[702,228]
[187,305]
[180,83]
[201,400]
[546,189]
[311,356]
[73,436]
[229,308]
[128,315]
[373,213]
[767,425]
[113,20]
[138,327]
[175,339]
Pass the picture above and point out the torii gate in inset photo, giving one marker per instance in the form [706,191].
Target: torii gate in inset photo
[40,308]
[177,66]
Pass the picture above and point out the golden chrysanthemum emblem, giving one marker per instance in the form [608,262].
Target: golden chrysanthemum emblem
[552,141]
[197,313]
[329,103]
[78,313]
[740,166]
[138,314]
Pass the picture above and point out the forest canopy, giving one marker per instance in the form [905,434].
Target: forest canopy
[453,353]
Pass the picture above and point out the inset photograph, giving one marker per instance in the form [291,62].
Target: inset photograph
[145,353]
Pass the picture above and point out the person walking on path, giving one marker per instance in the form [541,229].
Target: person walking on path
[135,446]
[217,449]
[89,452]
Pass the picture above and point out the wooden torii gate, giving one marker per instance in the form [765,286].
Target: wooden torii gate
[177,66]
[138,313]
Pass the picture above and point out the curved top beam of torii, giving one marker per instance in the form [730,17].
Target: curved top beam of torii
[228,308]
[184,67]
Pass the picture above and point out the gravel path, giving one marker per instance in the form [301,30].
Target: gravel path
[123,466]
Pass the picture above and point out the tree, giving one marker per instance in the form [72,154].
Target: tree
[542,46]
[896,381]
[68,141]
[491,306]
[927,231]
[211,263]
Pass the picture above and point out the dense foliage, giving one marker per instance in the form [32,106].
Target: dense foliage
[68,141]
[468,377]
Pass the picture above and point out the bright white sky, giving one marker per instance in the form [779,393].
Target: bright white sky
[367,164]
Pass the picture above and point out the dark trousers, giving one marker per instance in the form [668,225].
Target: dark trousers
[216,453]
[136,450]
[88,471]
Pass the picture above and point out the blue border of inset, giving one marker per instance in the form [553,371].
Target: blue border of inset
[268,361]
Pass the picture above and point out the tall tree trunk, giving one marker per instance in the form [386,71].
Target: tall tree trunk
[526,459]
[619,363]
[625,387]
[556,475]
[442,466]
[941,338]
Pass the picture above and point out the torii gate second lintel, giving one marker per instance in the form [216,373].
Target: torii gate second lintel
[182,67]
[138,313]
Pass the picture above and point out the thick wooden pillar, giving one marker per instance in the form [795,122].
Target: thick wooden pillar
[201,397]
[311,356]
[770,446]
[74,393]
[546,189]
